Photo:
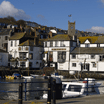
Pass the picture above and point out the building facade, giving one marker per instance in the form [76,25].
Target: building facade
[57,51]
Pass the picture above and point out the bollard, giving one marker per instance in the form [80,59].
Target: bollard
[25,88]
[20,93]
[87,87]
[49,92]
[54,91]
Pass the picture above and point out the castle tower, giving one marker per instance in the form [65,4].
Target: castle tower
[71,28]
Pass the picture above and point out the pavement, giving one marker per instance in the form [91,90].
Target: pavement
[91,99]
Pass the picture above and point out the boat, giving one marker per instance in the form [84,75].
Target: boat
[79,88]
[16,75]
[57,75]
[27,77]
[9,77]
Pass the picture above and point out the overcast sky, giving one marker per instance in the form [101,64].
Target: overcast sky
[88,14]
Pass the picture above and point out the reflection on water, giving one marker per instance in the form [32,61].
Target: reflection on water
[15,87]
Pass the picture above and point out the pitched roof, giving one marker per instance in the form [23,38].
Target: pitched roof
[61,37]
[5,31]
[17,36]
[92,39]
[88,50]
[27,43]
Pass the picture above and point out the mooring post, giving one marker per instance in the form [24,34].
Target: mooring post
[20,93]
[87,86]
[49,91]
[54,91]
[25,88]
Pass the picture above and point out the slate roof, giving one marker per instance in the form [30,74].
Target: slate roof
[88,50]
[92,39]
[5,31]
[17,36]
[61,37]
[27,43]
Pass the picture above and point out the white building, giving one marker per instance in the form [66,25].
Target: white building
[30,55]
[89,56]
[57,51]
[24,51]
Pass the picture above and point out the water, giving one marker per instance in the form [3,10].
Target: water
[15,87]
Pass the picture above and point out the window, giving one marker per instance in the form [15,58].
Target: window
[73,64]
[61,56]
[73,56]
[93,64]
[56,43]
[31,48]
[11,43]
[62,43]
[30,64]
[22,64]
[101,58]
[92,56]
[15,43]
[22,55]
[51,43]
[6,37]
[86,45]
[50,56]
[31,55]
[45,44]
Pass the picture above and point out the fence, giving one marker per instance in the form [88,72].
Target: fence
[52,90]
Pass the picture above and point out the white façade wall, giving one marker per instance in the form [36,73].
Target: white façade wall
[13,50]
[63,66]
[101,45]
[81,59]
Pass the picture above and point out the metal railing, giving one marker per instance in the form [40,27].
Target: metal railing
[51,89]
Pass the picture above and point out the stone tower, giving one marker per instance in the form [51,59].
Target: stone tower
[71,28]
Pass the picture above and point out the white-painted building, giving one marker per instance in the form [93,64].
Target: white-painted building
[57,51]
[30,55]
[89,56]
[24,52]
[3,58]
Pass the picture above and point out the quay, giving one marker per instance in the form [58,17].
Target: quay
[91,99]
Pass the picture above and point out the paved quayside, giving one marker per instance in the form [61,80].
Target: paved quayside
[93,99]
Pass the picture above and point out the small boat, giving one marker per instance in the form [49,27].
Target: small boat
[16,75]
[27,77]
[57,75]
[9,77]
[79,88]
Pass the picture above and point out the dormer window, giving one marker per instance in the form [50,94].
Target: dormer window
[73,56]
[86,45]
[92,56]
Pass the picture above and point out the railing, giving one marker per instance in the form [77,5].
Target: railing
[51,89]
[20,91]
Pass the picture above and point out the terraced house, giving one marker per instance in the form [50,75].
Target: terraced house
[57,51]
[24,51]
[89,56]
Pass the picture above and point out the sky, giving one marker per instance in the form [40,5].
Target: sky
[87,14]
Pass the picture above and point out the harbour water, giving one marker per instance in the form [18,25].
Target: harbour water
[15,87]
